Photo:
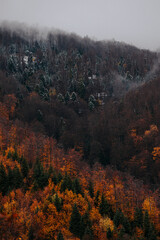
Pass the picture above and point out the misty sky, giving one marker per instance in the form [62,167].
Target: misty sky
[132,21]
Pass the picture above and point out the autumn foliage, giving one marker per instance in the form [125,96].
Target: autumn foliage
[45,192]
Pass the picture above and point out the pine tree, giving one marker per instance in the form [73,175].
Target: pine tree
[96,201]
[88,234]
[10,179]
[66,184]
[17,177]
[31,233]
[152,233]
[77,187]
[67,97]
[58,203]
[91,189]
[86,225]
[40,177]
[126,225]
[24,167]
[3,179]
[117,218]
[138,217]
[60,236]
[75,222]
[146,224]
[105,208]
[109,233]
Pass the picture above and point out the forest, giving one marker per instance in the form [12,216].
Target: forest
[79,138]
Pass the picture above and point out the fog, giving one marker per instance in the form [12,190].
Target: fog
[134,22]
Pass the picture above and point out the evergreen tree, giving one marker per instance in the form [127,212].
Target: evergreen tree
[86,225]
[60,236]
[109,234]
[77,187]
[126,225]
[152,233]
[17,177]
[40,177]
[67,97]
[117,218]
[15,156]
[31,233]
[74,97]
[138,217]
[3,179]
[58,203]
[146,224]
[96,201]
[75,222]
[66,184]
[24,167]
[121,234]
[10,179]
[88,235]
[91,189]
[105,208]
[59,177]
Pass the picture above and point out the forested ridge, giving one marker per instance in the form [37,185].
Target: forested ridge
[79,138]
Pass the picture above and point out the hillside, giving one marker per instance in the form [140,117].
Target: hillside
[79,138]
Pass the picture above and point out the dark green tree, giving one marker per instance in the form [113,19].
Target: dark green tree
[138,217]
[105,208]
[3,179]
[60,236]
[126,225]
[109,234]
[117,218]
[31,233]
[10,179]
[24,167]
[96,200]
[58,203]
[17,177]
[40,176]
[66,183]
[75,222]
[91,189]
[77,187]
[152,233]
[146,224]
[67,97]
[88,234]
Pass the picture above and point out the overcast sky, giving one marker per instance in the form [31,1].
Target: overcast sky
[132,21]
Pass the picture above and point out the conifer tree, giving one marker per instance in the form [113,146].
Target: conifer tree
[31,233]
[60,236]
[58,203]
[24,167]
[75,222]
[109,233]
[117,218]
[66,184]
[138,217]
[146,224]
[3,179]
[88,234]
[105,208]
[91,189]
[96,201]
[10,178]
[17,177]
[76,186]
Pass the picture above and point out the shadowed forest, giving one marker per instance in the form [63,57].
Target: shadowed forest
[79,138]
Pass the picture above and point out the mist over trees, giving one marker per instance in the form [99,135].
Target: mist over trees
[88,95]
